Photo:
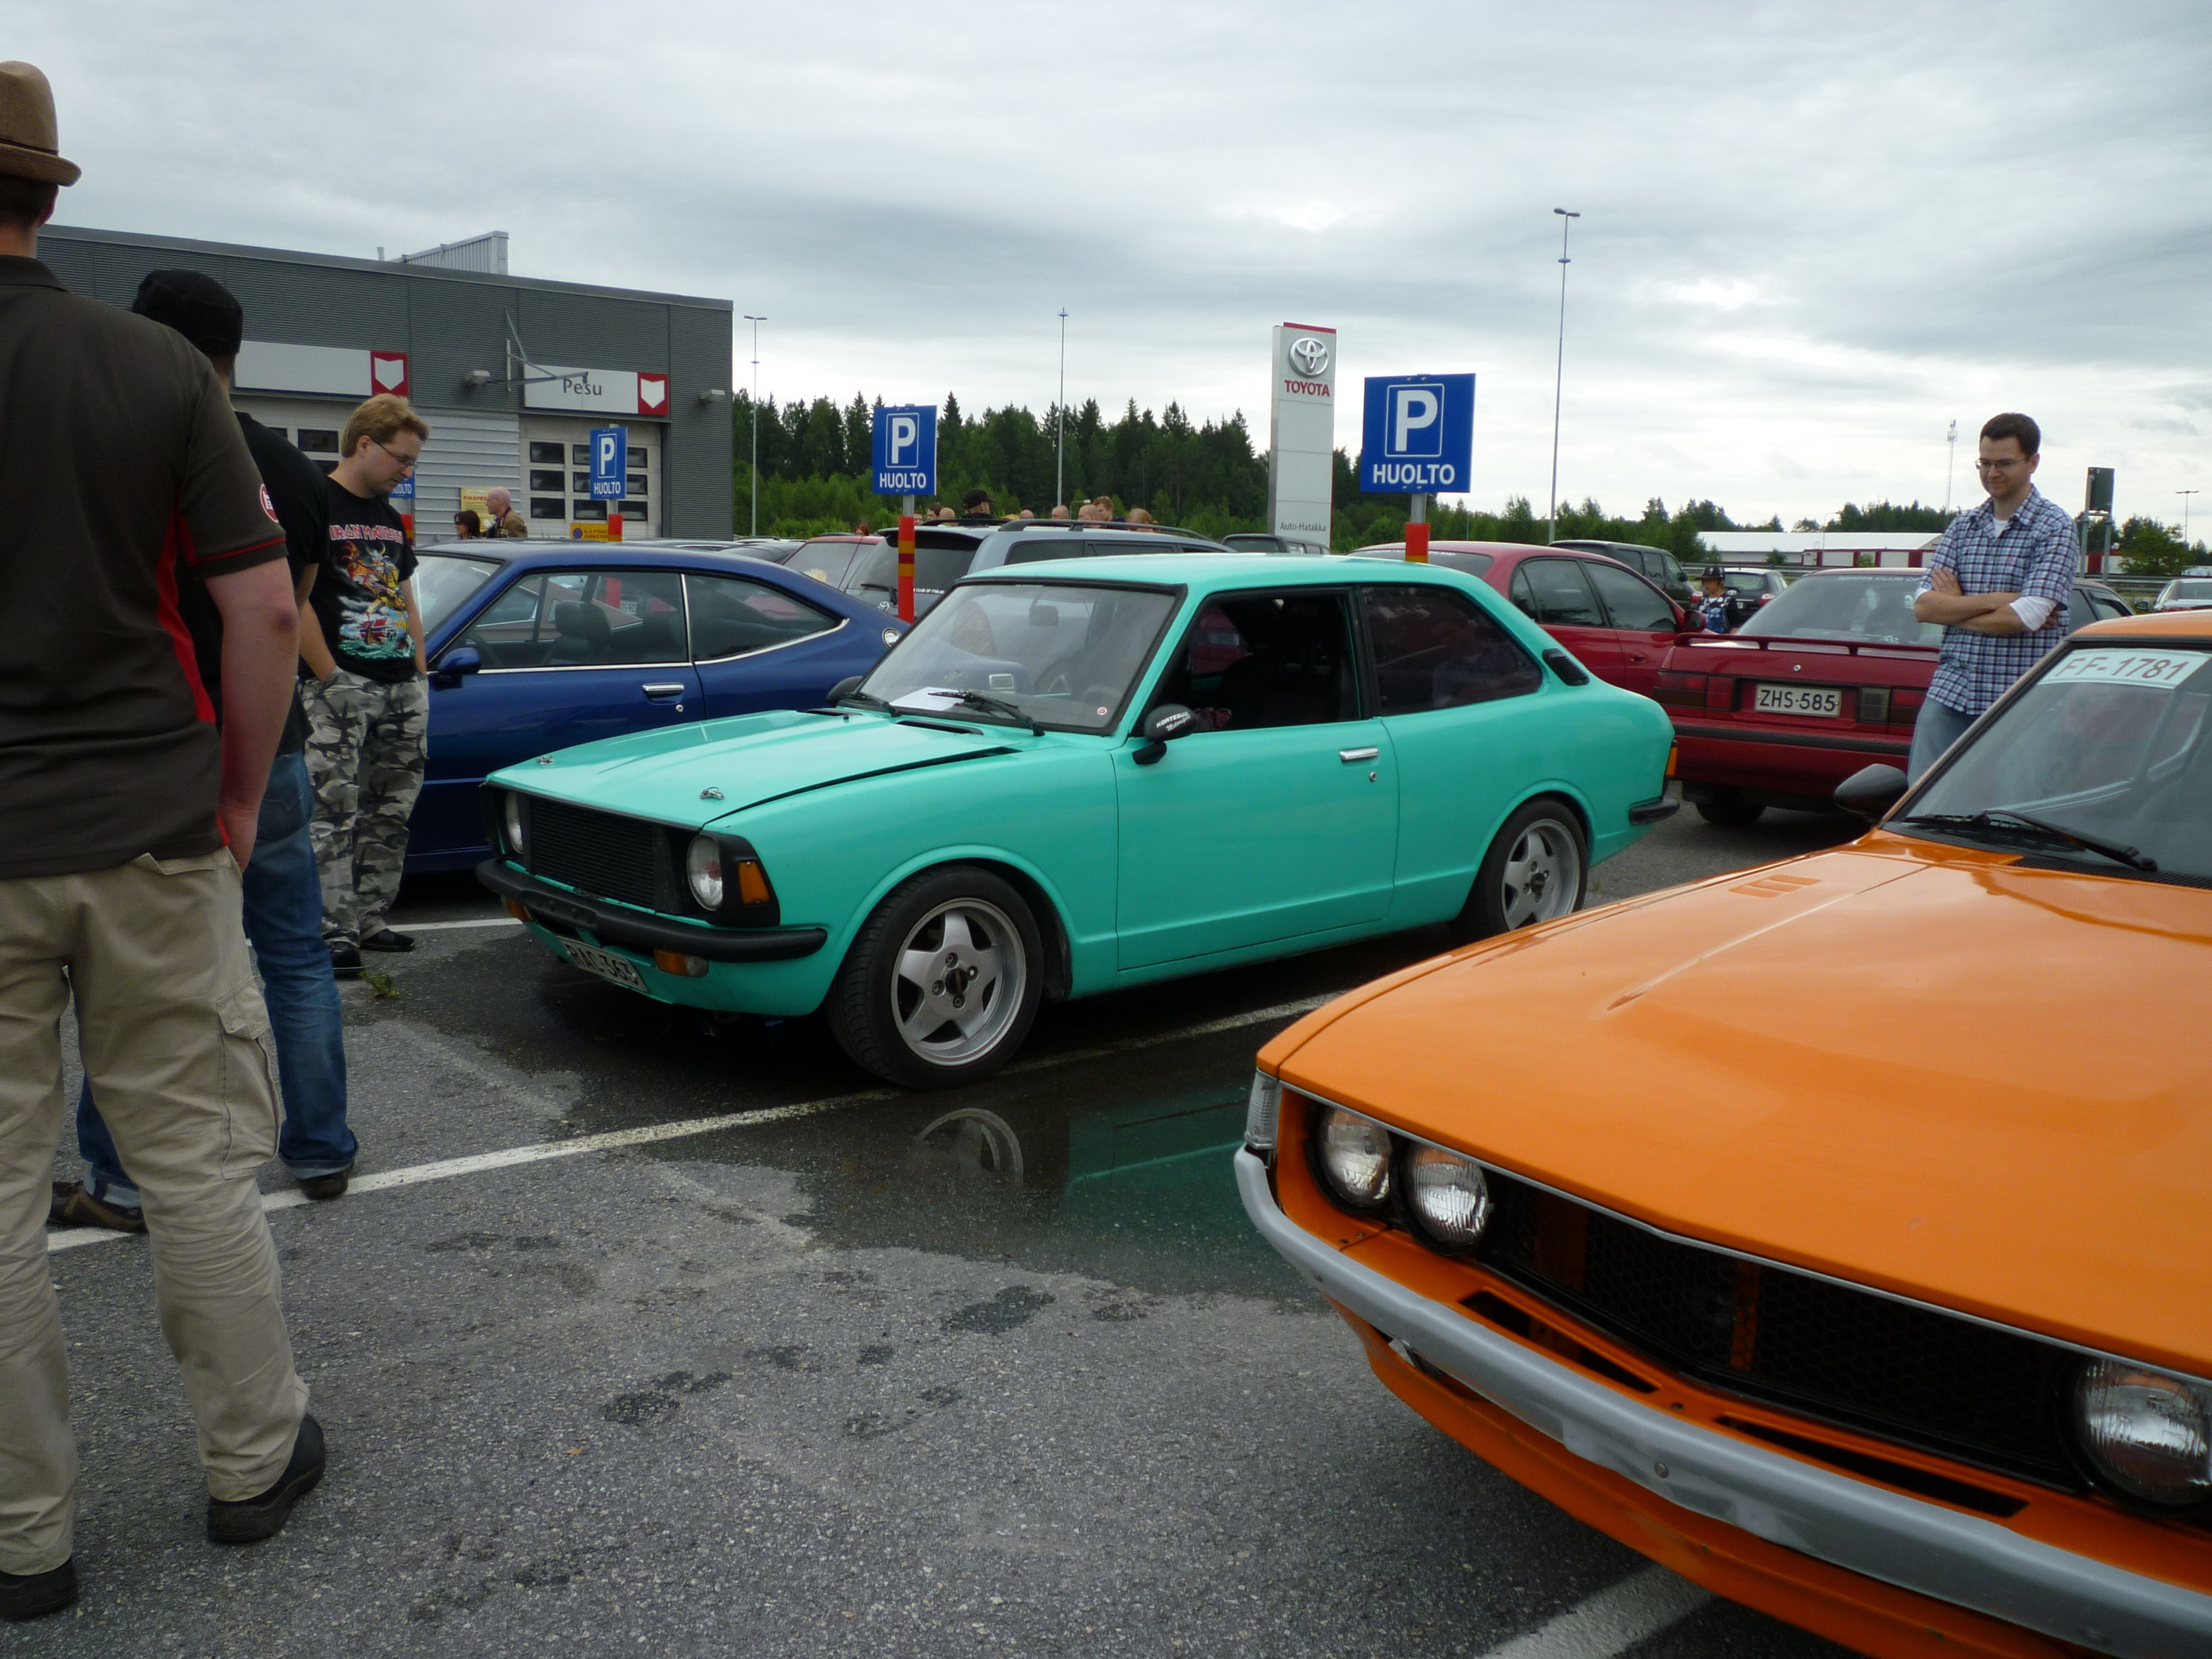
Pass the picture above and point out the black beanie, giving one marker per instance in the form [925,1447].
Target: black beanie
[195,305]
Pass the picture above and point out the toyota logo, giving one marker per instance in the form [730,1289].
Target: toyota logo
[1309,357]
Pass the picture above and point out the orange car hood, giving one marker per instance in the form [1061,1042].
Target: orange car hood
[1913,1067]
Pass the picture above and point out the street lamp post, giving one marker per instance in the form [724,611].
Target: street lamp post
[2184,495]
[756,322]
[1559,380]
[1060,407]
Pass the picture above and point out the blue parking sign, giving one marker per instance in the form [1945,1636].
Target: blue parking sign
[610,463]
[906,450]
[1419,434]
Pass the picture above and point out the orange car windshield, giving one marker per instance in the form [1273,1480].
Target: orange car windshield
[2112,743]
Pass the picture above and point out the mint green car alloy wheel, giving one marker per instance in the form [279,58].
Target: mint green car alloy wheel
[961,977]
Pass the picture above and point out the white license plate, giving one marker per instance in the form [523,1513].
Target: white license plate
[1798,700]
[605,963]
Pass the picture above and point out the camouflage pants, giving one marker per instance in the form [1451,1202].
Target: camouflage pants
[365,746]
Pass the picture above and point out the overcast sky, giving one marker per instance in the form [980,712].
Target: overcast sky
[1811,236]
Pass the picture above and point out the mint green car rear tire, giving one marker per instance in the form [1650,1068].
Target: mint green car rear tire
[1537,870]
[942,983]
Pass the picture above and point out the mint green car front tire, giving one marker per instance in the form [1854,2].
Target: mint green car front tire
[942,983]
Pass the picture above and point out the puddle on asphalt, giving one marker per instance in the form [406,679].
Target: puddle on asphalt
[1115,1166]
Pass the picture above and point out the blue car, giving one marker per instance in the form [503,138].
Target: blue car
[539,645]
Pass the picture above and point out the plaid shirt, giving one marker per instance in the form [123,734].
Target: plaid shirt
[2034,558]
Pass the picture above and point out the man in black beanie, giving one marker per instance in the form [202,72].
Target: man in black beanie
[282,895]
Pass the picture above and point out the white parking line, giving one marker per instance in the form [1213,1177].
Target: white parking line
[476,922]
[1612,1621]
[69,1238]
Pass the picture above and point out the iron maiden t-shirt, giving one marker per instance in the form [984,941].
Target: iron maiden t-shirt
[357,596]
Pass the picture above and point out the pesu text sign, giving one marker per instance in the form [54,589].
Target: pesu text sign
[1419,436]
[906,450]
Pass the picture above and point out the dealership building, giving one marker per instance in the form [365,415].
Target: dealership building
[511,373]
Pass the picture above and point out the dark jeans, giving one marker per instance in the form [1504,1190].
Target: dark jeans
[284,919]
[1938,727]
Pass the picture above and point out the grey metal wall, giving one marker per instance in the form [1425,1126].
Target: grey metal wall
[450,322]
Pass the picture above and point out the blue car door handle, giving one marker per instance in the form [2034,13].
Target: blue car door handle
[1349,757]
[673,689]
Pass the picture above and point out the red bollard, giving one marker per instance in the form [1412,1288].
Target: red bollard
[905,567]
[1417,542]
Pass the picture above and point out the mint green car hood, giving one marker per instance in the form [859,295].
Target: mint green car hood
[751,759]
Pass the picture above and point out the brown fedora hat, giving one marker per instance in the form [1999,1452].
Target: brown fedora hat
[28,146]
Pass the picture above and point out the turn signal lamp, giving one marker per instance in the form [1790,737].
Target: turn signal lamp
[680,965]
[515,908]
[752,883]
[1262,1112]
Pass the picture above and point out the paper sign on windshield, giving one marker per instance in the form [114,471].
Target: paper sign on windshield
[2160,671]
[928,700]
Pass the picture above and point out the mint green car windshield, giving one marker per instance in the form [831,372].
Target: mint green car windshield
[2113,742]
[1066,656]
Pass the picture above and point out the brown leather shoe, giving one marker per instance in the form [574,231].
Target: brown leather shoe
[329,1185]
[35,1595]
[73,1206]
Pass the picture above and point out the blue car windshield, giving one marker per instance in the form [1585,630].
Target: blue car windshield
[2112,742]
[1066,656]
[443,581]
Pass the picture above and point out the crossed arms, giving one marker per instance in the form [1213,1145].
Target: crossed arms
[1977,613]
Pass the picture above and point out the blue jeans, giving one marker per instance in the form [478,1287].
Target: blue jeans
[1938,727]
[284,919]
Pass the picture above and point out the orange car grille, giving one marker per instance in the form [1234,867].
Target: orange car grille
[602,853]
[1907,1374]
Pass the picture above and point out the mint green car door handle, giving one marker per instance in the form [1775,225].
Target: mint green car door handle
[1350,756]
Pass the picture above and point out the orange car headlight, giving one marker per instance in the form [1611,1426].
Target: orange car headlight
[2147,1433]
[1447,1194]
[1354,1154]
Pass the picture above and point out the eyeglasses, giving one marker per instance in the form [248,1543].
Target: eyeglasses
[407,462]
[1988,465]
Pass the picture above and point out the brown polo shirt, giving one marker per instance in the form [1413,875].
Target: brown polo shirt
[121,468]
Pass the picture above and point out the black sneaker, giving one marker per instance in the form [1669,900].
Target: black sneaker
[345,960]
[383,939]
[252,1519]
[35,1595]
[332,1185]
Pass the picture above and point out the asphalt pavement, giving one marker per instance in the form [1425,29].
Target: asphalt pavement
[996,1371]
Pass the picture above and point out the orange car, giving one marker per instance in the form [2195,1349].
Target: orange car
[1838,1233]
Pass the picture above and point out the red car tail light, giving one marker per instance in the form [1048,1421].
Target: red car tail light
[1720,692]
[1873,704]
[1680,689]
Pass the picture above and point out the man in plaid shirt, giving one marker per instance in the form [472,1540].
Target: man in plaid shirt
[2000,582]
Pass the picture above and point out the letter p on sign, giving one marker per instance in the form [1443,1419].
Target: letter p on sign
[1414,409]
[906,435]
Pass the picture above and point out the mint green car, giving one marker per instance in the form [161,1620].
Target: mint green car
[1083,775]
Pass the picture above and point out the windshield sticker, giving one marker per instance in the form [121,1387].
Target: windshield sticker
[2160,671]
[928,700]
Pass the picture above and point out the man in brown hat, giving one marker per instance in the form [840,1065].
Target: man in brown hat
[126,817]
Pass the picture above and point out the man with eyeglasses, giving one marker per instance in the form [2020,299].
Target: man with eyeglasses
[2000,582]
[361,645]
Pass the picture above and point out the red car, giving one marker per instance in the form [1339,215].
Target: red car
[1616,623]
[1826,679]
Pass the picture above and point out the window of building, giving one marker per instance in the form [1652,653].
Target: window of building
[543,454]
[589,511]
[549,507]
[637,483]
[313,438]
[580,454]
[547,481]
[1435,649]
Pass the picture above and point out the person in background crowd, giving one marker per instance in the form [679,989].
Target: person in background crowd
[1721,612]
[861,529]
[1139,516]
[125,819]
[283,901]
[1098,510]
[367,706]
[2000,582]
[1028,512]
[975,507]
[467,525]
[1060,511]
[505,521]
[944,514]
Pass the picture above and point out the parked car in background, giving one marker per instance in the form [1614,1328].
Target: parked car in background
[944,552]
[1821,1249]
[537,646]
[1085,775]
[1759,585]
[1615,623]
[827,558]
[1253,542]
[2184,593]
[1656,564]
[1826,679]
